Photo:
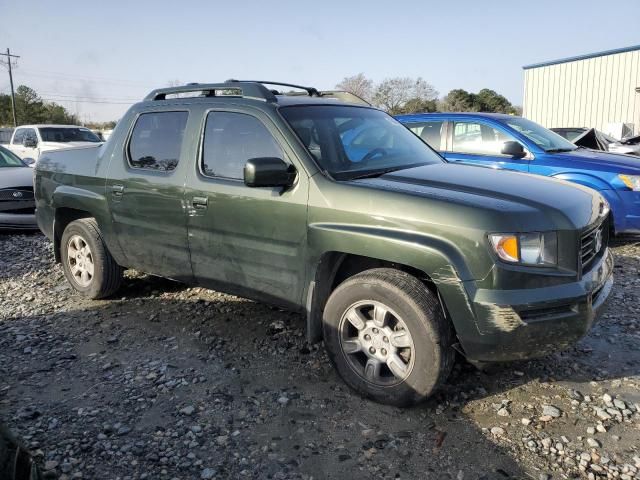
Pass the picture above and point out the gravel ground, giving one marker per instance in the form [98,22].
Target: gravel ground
[170,382]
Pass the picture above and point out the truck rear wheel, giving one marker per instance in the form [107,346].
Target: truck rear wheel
[387,337]
[87,264]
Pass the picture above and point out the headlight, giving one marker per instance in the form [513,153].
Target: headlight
[526,248]
[631,181]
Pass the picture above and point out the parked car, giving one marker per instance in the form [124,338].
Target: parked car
[30,141]
[17,205]
[397,257]
[594,139]
[515,143]
[5,135]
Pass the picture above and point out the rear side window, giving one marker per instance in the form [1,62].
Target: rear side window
[430,132]
[156,140]
[230,139]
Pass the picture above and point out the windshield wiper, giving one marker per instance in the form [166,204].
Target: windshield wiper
[382,171]
[559,150]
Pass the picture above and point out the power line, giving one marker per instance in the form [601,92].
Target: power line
[89,97]
[72,100]
[51,74]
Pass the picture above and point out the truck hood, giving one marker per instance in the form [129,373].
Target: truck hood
[11,177]
[530,201]
[617,163]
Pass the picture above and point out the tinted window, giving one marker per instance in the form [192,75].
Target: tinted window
[351,142]
[430,132]
[30,134]
[474,137]
[67,134]
[18,138]
[230,139]
[156,140]
[8,159]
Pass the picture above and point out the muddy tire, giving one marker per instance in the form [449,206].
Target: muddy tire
[387,337]
[87,264]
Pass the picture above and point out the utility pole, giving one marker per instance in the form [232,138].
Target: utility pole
[13,96]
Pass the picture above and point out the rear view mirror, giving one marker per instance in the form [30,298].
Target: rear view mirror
[268,172]
[513,149]
[29,161]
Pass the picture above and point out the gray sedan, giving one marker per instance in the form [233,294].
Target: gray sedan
[17,205]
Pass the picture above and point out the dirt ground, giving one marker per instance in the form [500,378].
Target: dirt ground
[170,382]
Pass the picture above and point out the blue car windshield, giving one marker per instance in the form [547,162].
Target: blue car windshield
[545,139]
[356,142]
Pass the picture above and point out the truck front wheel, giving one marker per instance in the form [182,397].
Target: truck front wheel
[87,264]
[387,336]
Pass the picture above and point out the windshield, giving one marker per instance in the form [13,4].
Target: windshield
[66,134]
[9,159]
[545,139]
[352,142]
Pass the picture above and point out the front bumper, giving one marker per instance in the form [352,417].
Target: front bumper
[528,323]
[626,211]
[18,221]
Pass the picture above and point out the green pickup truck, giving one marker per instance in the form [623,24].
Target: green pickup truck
[324,205]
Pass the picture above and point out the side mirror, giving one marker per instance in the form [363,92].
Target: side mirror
[268,172]
[513,149]
[30,143]
[29,161]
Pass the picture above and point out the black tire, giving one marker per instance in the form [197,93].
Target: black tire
[107,276]
[422,315]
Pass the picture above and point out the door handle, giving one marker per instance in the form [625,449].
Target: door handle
[117,190]
[200,202]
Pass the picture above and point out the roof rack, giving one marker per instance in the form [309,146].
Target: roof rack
[249,89]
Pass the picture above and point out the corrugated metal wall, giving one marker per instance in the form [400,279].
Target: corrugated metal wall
[585,93]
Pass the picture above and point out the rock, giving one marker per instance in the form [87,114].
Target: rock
[188,410]
[551,411]
[602,414]
[592,442]
[208,474]
[283,400]
[591,430]
[50,465]
[503,412]
[525,421]
[606,398]
[497,431]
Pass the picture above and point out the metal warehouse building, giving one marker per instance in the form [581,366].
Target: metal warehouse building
[600,90]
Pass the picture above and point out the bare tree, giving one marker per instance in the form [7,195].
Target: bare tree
[358,84]
[396,95]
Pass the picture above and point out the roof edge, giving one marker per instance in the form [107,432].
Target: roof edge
[582,57]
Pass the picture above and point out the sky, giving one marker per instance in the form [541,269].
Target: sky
[97,58]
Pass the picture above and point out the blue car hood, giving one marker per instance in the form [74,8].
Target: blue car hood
[622,163]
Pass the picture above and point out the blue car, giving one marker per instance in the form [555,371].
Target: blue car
[515,143]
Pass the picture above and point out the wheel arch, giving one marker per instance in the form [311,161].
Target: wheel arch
[334,267]
[64,216]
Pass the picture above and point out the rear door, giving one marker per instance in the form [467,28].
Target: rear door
[249,241]
[145,188]
[479,143]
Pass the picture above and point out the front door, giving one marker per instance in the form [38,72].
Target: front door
[28,136]
[145,188]
[245,240]
[478,143]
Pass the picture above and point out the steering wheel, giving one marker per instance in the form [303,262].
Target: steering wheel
[373,153]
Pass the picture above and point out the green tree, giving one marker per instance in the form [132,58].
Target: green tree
[486,100]
[30,108]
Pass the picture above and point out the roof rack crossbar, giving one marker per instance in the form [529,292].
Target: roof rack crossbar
[245,89]
[312,92]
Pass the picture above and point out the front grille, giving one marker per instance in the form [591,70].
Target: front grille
[16,194]
[593,242]
[20,211]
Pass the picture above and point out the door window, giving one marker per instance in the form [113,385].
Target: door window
[430,132]
[30,134]
[230,139]
[156,140]
[478,138]
[18,137]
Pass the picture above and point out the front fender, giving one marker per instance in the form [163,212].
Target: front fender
[437,257]
[584,179]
